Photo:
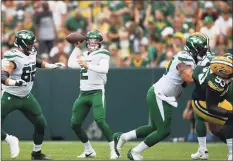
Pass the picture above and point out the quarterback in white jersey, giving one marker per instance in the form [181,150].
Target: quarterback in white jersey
[163,96]
[17,77]
[94,64]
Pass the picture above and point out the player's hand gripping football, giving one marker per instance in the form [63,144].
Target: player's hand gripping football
[82,62]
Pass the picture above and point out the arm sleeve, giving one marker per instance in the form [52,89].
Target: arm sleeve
[103,66]
[39,63]
[72,62]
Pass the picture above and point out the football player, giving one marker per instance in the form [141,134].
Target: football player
[163,95]
[94,65]
[17,77]
[212,100]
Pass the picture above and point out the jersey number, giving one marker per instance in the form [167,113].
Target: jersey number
[220,81]
[84,74]
[203,75]
[28,74]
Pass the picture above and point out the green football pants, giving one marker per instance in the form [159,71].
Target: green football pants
[161,117]
[81,108]
[30,109]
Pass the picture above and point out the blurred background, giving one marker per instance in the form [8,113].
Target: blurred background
[138,34]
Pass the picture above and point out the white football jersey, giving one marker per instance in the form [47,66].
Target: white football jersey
[171,84]
[89,79]
[25,70]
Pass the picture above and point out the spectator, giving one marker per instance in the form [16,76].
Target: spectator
[59,12]
[63,58]
[123,9]
[45,57]
[164,63]
[58,50]
[138,60]
[224,22]
[28,22]
[178,43]
[211,31]
[9,23]
[209,11]
[124,50]
[114,61]
[76,22]
[115,24]
[45,29]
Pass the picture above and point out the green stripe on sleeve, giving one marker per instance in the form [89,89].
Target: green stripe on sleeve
[184,59]
[12,56]
[103,52]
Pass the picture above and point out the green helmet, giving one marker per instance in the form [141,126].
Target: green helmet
[93,40]
[198,45]
[24,39]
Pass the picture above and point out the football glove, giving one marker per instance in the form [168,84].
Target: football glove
[18,82]
[60,65]
[54,66]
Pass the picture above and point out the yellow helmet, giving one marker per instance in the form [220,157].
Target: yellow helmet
[222,66]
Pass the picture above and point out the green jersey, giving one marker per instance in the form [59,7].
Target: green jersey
[204,78]
[25,68]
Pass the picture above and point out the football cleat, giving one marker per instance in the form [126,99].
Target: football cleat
[119,141]
[229,156]
[132,155]
[200,154]
[87,154]
[13,143]
[39,156]
[113,154]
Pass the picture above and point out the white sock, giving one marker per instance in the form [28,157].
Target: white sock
[87,146]
[7,138]
[129,135]
[202,142]
[229,145]
[111,144]
[37,148]
[140,147]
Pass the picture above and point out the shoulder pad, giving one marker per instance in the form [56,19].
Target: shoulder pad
[186,58]
[102,51]
[11,54]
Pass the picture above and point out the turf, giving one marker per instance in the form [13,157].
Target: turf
[162,151]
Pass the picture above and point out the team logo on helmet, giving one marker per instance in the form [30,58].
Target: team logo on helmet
[222,66]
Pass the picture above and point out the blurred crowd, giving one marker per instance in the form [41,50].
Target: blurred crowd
[137,33]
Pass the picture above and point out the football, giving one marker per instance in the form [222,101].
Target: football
[75,37]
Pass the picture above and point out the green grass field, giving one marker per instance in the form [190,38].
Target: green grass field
[162,151]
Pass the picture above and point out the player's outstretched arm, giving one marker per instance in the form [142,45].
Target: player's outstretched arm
[8,68]
[212,104]
[43,64]
[186,72]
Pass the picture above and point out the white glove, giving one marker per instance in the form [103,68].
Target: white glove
[60,65]
[18,82]
[54,66]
